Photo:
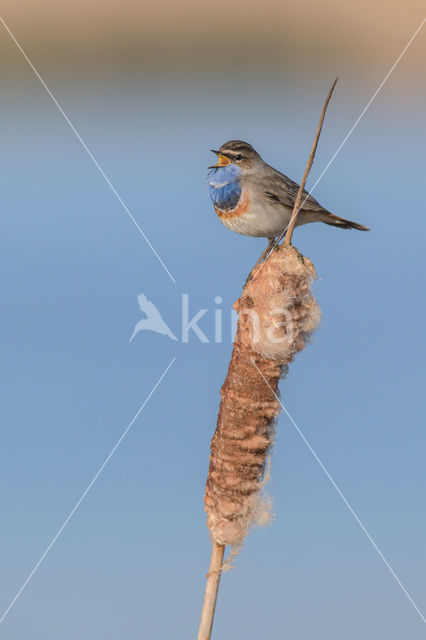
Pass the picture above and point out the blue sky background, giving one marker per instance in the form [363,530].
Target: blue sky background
[131,563]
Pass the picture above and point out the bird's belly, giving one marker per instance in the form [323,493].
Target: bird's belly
[261,220]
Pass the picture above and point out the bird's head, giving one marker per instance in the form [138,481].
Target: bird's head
[237,153]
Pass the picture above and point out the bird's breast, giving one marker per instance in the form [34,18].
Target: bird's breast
[241,207]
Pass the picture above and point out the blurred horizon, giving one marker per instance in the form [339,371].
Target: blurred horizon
[271,35]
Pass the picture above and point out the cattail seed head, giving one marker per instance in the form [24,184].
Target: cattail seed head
[277,315]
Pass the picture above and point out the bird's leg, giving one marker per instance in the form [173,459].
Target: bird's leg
[267,251]
[281,236]
[263,256]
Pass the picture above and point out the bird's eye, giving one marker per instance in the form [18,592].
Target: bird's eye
[238,156]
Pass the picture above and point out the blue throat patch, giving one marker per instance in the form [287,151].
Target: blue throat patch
[224,186]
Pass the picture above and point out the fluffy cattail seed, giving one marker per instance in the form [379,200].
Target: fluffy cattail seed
[277,315]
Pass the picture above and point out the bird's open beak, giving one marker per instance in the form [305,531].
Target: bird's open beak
[222,160]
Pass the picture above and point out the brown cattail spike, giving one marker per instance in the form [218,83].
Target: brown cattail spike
[277,314]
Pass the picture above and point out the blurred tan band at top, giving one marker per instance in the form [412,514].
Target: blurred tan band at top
[197,33]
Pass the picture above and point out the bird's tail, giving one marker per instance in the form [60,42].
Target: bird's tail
[336,221]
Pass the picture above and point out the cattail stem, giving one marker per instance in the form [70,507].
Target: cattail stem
[210,595]
[277,315]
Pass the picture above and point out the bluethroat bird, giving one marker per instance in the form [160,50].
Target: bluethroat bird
[252,198]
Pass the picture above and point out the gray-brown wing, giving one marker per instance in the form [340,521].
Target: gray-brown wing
[282,190]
